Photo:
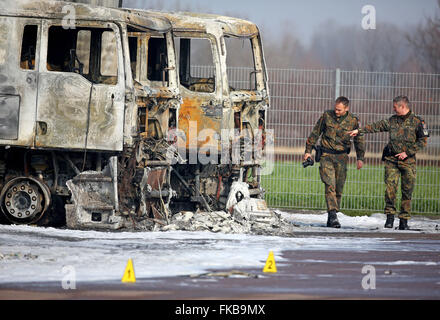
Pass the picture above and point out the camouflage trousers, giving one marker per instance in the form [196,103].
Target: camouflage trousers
[333,172]
[393,171]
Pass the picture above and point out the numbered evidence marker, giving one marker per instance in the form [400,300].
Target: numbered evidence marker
[129,272]
[270,263]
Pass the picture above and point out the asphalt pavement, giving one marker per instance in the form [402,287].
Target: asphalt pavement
[402,265]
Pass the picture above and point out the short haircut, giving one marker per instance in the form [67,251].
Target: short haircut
[343,100]
[401,99]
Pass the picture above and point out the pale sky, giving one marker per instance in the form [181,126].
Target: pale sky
[304,17]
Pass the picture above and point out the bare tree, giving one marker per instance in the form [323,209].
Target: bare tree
[426,42]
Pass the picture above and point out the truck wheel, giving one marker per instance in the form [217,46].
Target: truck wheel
[24,200]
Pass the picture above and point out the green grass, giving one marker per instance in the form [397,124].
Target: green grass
[292,186]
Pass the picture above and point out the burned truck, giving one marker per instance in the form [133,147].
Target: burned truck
[222,120]
[107,118]
[87,95]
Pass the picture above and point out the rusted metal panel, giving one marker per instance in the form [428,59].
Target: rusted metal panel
[195,116]
[157,178]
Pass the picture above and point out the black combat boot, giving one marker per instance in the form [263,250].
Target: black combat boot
[403,224]
[332,220]
[390,221]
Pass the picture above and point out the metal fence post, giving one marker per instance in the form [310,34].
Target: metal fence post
[338,83]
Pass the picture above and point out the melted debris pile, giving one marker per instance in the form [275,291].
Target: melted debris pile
[243,214]
[224,222]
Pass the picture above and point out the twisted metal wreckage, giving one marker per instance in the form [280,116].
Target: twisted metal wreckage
[103,124]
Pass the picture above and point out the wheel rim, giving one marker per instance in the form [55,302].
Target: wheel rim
[24,200]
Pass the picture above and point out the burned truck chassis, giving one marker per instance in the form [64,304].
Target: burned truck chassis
[37,186]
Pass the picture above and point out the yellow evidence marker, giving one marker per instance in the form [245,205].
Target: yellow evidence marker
[270,264]
[129,272]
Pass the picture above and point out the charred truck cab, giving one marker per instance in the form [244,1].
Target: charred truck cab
[85,108]
[222,120]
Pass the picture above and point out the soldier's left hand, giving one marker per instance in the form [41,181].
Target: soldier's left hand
[353,133]
[401,156]
[360,164]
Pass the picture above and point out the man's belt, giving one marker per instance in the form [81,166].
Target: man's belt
[325,150]
[320,150]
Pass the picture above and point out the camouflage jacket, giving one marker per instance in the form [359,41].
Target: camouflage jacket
[335,135]
[407,133]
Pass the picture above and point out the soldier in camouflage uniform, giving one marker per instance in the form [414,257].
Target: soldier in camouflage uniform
[333,127]
[407,135]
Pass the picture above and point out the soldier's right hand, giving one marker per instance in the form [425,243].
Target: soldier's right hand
[306,156]
[353,133]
